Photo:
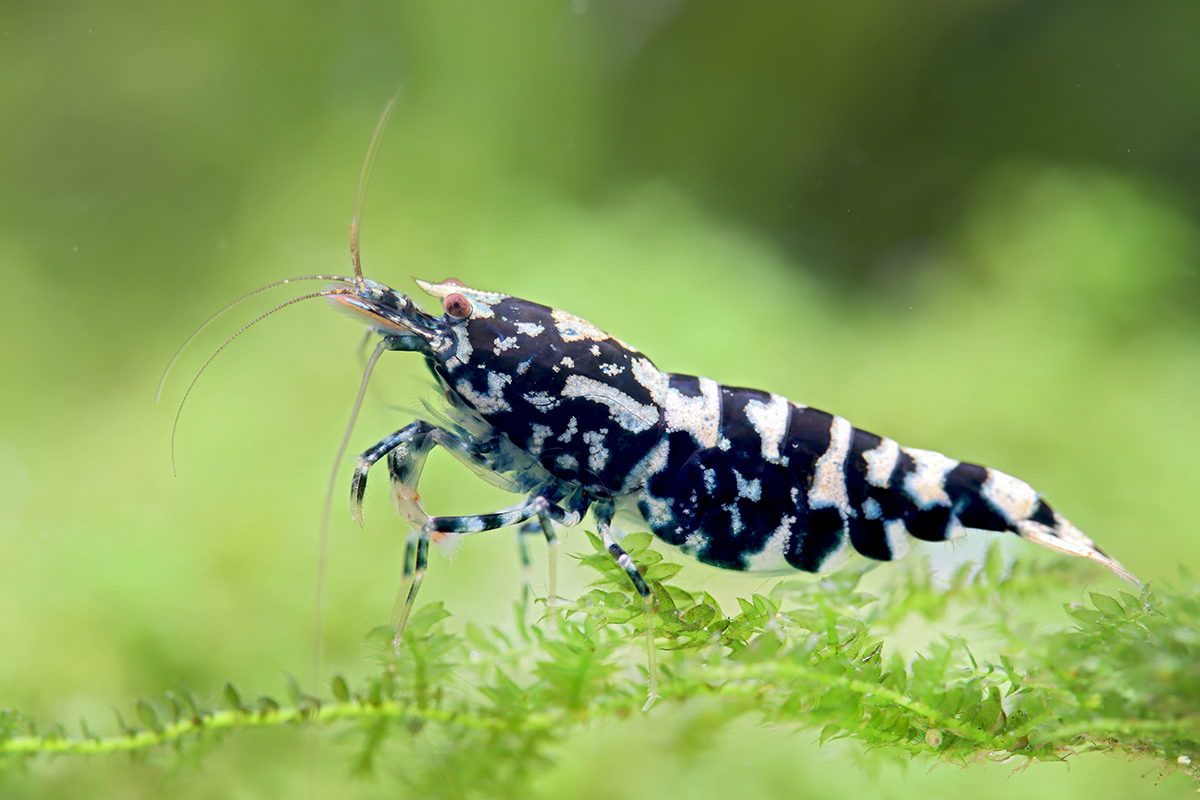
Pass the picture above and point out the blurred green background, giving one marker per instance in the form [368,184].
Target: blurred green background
[972,227]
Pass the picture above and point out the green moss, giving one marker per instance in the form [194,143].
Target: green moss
[479,713]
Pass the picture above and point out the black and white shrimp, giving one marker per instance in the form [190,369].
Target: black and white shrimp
[553,408]
[550,407]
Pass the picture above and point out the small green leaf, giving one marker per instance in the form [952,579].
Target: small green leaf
[83,726]
[990,716]
[230,696]
[176,709]
[149,716]
[635,543]
[1132,603]
[1085,615]
[708,599]
[764,606]
[829,732]
[666,603]
[951,702]
[1107,605]
[698,617]
[294,694]
[341,692]
[380,636]
[662,571]
[196,714]
[424,618]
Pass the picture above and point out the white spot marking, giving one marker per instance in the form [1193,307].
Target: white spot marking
[506,343]
[955,529]
[611,370]
[572,429]
[530,328]
[695,542]
[538,439]
[567,462]
[829,479]
[771,557]
[881,462]
[568,362]
[1013,498]
[655,380]
[770,421]
[872,509]
[541,401]
[926,485]
[571,328]
[653,463]
[597,452]
[899,542]
[625,411]
[748,490]
[699,416]
[837,557]
[735,518]
[659,509]
[491,403]
[463,349]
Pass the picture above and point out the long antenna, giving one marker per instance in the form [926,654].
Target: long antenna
[227,342]
[318,633]
[162,381]
[360,193]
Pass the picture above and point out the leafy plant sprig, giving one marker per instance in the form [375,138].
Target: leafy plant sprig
[487,706]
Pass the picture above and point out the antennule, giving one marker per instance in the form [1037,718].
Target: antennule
[162,381]
[226,343]
[318,632]
[360,192]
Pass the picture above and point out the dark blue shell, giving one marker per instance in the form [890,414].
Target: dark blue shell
[579,401]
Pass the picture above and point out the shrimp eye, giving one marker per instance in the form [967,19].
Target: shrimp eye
[456,306]
[452,282]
